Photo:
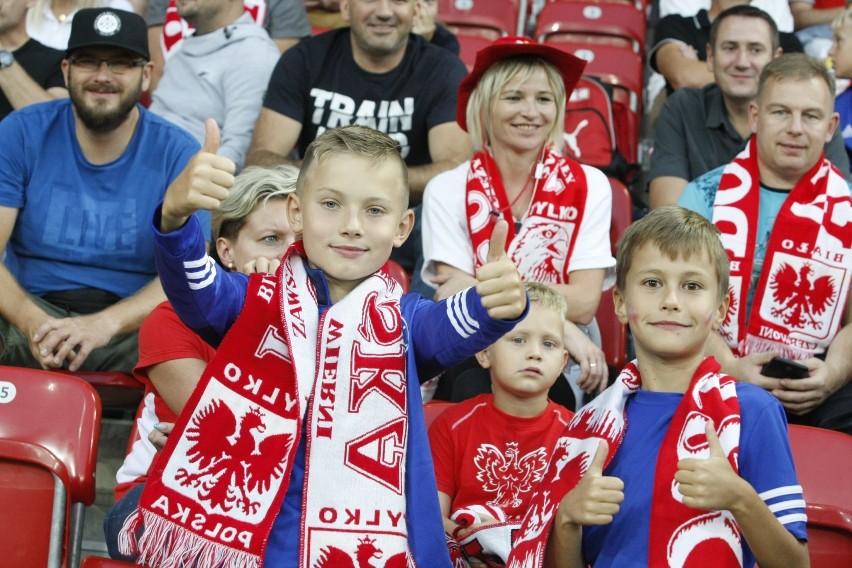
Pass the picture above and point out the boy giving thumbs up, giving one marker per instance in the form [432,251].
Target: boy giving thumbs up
[675,464]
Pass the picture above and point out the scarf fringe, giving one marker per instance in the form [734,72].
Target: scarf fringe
[166,547]
[755,344]
[127,540]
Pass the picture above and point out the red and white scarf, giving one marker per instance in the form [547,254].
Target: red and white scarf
[677,533]
[802,289]
[542,247]
[223,475]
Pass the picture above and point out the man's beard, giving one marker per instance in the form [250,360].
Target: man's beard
[99,119]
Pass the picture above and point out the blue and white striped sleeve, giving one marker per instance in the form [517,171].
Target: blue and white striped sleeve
[446,333]
[765,459]
[207,298]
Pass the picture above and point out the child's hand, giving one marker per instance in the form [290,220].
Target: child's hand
[500,286]
[597,498]
[710,484]
[160,435]
[202,184]
[463,532]
[261,265]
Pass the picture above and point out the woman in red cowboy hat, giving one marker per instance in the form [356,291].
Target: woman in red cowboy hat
[512,104]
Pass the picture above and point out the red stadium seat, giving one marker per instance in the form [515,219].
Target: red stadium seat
[615,19]
[98,562]
[490,18]
[49,431]
[399,274]
[117,390]
[622,211]
[613,332]
[617,65]
[470,46]
[823,461]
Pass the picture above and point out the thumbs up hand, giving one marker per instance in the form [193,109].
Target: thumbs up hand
[710,484]
[203,183]
[596,498]
[500,286]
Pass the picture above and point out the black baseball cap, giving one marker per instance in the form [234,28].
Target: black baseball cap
[108,27]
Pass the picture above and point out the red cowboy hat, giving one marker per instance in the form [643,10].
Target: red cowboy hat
[569,66]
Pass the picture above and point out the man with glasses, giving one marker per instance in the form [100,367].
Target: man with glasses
[79,181]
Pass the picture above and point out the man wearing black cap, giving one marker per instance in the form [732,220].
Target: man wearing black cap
[79,180]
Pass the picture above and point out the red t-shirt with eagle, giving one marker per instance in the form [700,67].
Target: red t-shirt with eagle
[484,456]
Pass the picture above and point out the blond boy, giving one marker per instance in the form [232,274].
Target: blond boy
[841,58]
[302,444]
[490,451]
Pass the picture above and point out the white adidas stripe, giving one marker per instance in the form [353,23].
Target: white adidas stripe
[198,279]
[458,315]
[781,491]
[785,505]
[794,518]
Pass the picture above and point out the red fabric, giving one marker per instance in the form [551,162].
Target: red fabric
[163,337]
[470,441]
[541,249]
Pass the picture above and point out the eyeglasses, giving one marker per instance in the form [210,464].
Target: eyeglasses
[118,66]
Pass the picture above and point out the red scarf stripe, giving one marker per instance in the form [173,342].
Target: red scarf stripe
[552,220]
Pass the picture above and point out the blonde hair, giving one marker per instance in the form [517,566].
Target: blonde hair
[494,80]
[845,18]
[798,67]
[254,185]
[358,140]
[548,298]
[678,233]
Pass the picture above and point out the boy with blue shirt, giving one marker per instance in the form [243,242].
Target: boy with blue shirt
[324,443]
[79,178]
[785,216]
[675,464]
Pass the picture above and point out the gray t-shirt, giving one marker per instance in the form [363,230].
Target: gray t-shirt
[281,18]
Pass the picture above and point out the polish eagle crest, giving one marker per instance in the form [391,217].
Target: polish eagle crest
[508,474]
[366,555]
[801,299]
[232,460]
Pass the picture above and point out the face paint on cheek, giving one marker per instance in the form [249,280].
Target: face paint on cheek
[632,316]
